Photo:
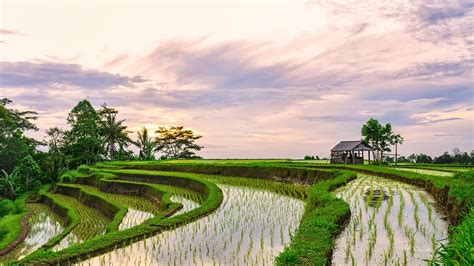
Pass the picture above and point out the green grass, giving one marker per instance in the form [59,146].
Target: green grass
[12,213]
[322,220]
[460,249]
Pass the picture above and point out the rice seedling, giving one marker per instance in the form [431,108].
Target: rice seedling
[250,227]
[416,208]
[44,225]
[188,204]
[91,222]
[134,218]
[372,206]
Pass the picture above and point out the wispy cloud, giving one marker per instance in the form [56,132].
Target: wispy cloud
[10,32]
[45,74]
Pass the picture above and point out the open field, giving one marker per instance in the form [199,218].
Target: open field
[252,212]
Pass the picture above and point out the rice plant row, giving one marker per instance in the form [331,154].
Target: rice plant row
[91,222]
[249,228]
[391,224]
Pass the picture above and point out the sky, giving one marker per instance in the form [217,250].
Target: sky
[257,79]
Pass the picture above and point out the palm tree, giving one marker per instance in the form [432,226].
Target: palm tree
[397,139]
[9,184]
[146,145]
[113,133]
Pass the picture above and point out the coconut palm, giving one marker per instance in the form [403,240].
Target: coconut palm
[145,144]
[113,133]
[396,139]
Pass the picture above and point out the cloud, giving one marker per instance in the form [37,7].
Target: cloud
[436,69]
[226,66]
[408,63]
[45,74]
[10,32]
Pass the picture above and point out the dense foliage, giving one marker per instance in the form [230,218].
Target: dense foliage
[93,136]
[14,145]
[456,157]
[177,143]
[380,137]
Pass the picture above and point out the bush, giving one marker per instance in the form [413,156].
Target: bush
[6,207]
[66,179]
[3,233]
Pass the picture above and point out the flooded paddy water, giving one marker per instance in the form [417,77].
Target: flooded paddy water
[392,223]
[44,225]
[251,227]
[91,223]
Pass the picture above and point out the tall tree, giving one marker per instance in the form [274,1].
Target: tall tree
[397,139]
[83,140]
[177,142]
[379,136]
[14,145]
[55,161]
[29,173]
[385,140]
[372,131]
[113,133]
[146,145]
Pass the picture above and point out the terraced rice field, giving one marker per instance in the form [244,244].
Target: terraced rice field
[91,222]
[134,202]
[391,224]
[248,221]
[44,225]
[250,228]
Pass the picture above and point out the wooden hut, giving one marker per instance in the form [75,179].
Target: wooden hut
[350,152]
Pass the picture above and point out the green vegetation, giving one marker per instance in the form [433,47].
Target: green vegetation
[177,143]
[11,213]
[113,239]
[107,205]
[380,137]
[321,222]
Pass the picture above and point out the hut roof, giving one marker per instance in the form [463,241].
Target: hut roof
[357,145]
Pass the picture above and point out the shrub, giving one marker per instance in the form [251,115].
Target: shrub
[6,207]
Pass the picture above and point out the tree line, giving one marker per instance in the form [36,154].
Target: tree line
[93,136]
[456,157]
[382,138]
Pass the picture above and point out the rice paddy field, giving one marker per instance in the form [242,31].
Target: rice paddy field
[44,225]
[91,222]
[249,228]
[391,224]
[247,212]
